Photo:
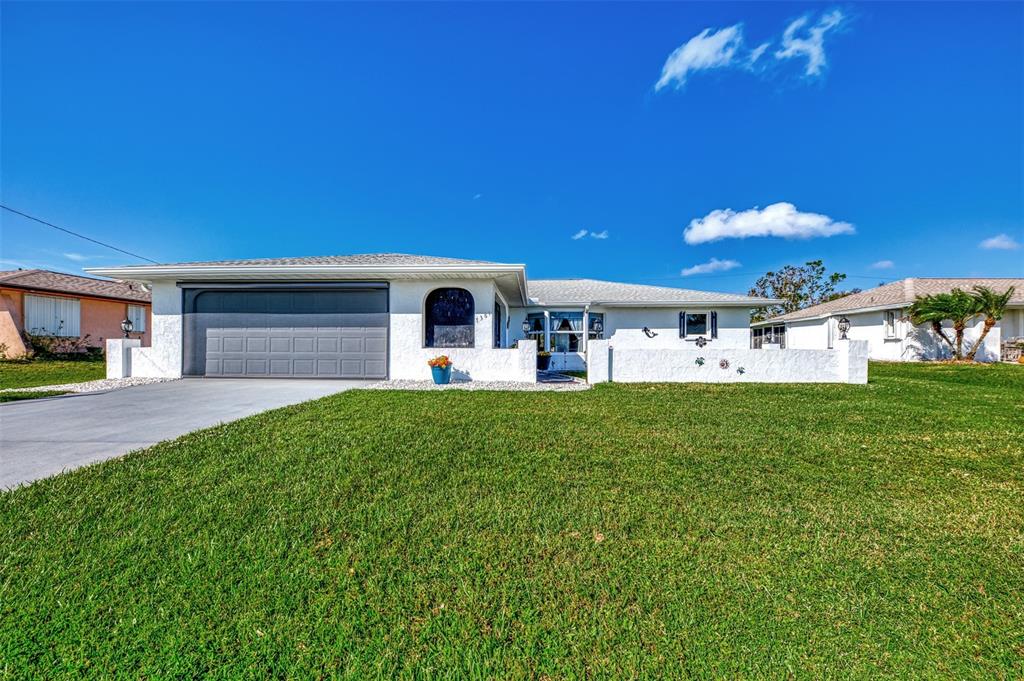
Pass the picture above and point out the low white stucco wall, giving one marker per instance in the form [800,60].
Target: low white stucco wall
[847,363]
[518,365]
[119,356]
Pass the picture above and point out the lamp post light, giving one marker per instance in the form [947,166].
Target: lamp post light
[126,326]
[844,326]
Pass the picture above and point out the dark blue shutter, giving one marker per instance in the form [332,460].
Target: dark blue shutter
[682,325]
[714,324]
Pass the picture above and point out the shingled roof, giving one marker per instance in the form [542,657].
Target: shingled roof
[365,259]
[70,284]
[594,292]
[900,294]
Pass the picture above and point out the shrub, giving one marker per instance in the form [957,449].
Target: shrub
[61,347]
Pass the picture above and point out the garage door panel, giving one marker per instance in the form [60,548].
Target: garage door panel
[327,344]
[327,367]
[281,367]
[337,333]
[232,367]
[352,345]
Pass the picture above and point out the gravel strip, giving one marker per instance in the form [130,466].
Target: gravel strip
[89,386]
[477,385]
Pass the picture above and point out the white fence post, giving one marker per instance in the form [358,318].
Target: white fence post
[598,361]
[119,356]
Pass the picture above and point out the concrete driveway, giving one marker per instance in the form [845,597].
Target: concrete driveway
[43,437]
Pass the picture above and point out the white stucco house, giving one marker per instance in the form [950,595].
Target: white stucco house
[880,317]
[385,315]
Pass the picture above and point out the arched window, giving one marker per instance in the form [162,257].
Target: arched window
[449,316]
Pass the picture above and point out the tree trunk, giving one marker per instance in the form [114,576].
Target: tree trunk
[959,328]
[989,323]
[941,333]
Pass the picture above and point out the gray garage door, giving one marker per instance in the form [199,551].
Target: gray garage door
[287,333]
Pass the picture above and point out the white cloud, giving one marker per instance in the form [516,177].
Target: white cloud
[756,53]
[77,257]
[593,235]
[812,44]
[706,50]
[1000,242]
[883,265]
[726,48]
[713,265]
[779,219]
[476,196]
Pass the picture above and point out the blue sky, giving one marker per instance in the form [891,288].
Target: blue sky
[886,139]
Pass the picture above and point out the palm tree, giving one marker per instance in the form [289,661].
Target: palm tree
[957,306]
[992,305]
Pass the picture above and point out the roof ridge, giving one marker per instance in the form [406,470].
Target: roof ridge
[893,294]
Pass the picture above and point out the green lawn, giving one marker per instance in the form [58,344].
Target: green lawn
[29,374]
[647,530]
[30,395]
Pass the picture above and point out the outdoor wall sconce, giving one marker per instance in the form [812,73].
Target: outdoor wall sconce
[844,326]
[598,326]
[649,333]
[126,326]
[526,326]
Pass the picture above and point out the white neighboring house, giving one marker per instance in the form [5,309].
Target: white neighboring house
[880,317]
[385,315]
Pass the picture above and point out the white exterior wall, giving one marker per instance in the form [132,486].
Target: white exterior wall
[163,358]
[811,335]
[1012,324]
[848,363]
[624,327]
[911,343]
[408,356]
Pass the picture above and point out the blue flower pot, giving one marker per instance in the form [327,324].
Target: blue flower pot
[442,376]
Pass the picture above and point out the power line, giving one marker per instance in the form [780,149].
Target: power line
[80,236]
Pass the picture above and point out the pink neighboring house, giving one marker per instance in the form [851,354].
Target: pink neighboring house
[48,303]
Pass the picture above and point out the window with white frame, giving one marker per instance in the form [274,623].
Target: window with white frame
[137,316]
[891,319]
[566,331]
[773,335]
[52,316]
[694,324]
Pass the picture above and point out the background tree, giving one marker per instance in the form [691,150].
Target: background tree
[993,306]
[797,287]
[958,306]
